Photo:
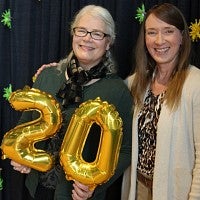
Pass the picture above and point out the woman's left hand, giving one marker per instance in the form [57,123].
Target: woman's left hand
[81,192]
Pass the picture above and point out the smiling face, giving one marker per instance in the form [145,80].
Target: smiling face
[162,41]
[89,51]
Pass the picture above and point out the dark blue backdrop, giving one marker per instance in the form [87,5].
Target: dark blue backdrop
[40,34]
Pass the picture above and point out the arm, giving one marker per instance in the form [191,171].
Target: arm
[195,187]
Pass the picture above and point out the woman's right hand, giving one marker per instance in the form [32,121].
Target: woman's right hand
[81,191]
[21,168]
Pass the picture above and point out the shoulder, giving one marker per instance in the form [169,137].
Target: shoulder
[129,80]
[194,72]
[110,87]
[50,73]
[193,78]
[116,82]
[191,87]
[50,80]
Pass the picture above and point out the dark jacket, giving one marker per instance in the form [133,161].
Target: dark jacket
[111,89]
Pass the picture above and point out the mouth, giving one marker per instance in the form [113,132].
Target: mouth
[161,50]
[87,48]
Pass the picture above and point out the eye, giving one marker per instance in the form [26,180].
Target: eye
[169,31]
[80,30]
[97,34]
[151,33]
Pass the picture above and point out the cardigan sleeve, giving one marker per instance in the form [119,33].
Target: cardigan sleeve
[195,87]
[195,187]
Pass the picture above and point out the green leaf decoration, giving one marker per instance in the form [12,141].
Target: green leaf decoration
[1,183]
[6,18]
[140,13]
[7,92]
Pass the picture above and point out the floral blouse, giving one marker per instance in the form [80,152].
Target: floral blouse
[147,129]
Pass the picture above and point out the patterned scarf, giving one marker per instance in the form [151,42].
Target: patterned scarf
[71,90]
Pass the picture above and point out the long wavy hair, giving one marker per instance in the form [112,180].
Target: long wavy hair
[103,15]
[146,65]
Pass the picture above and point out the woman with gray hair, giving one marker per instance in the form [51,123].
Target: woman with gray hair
[86,73]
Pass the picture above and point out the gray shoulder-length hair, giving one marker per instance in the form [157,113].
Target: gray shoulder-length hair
[103,15]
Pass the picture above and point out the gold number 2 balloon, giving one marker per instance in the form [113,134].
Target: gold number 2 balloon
[18,143]
[102,168]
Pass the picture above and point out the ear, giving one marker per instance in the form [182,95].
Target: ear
[107,47]
[108,44]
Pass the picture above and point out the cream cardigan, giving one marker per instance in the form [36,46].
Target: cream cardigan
[177,162]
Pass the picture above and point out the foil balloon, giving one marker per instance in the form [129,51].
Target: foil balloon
[102,168]
[18,143]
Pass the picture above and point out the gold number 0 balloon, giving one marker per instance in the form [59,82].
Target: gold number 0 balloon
[18,143]
[102,168]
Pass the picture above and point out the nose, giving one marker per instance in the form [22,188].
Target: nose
[159,38]
[88,36]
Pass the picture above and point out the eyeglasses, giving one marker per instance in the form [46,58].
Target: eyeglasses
[96,35]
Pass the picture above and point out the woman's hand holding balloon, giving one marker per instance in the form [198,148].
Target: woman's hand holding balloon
[81,192]
[21,168]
